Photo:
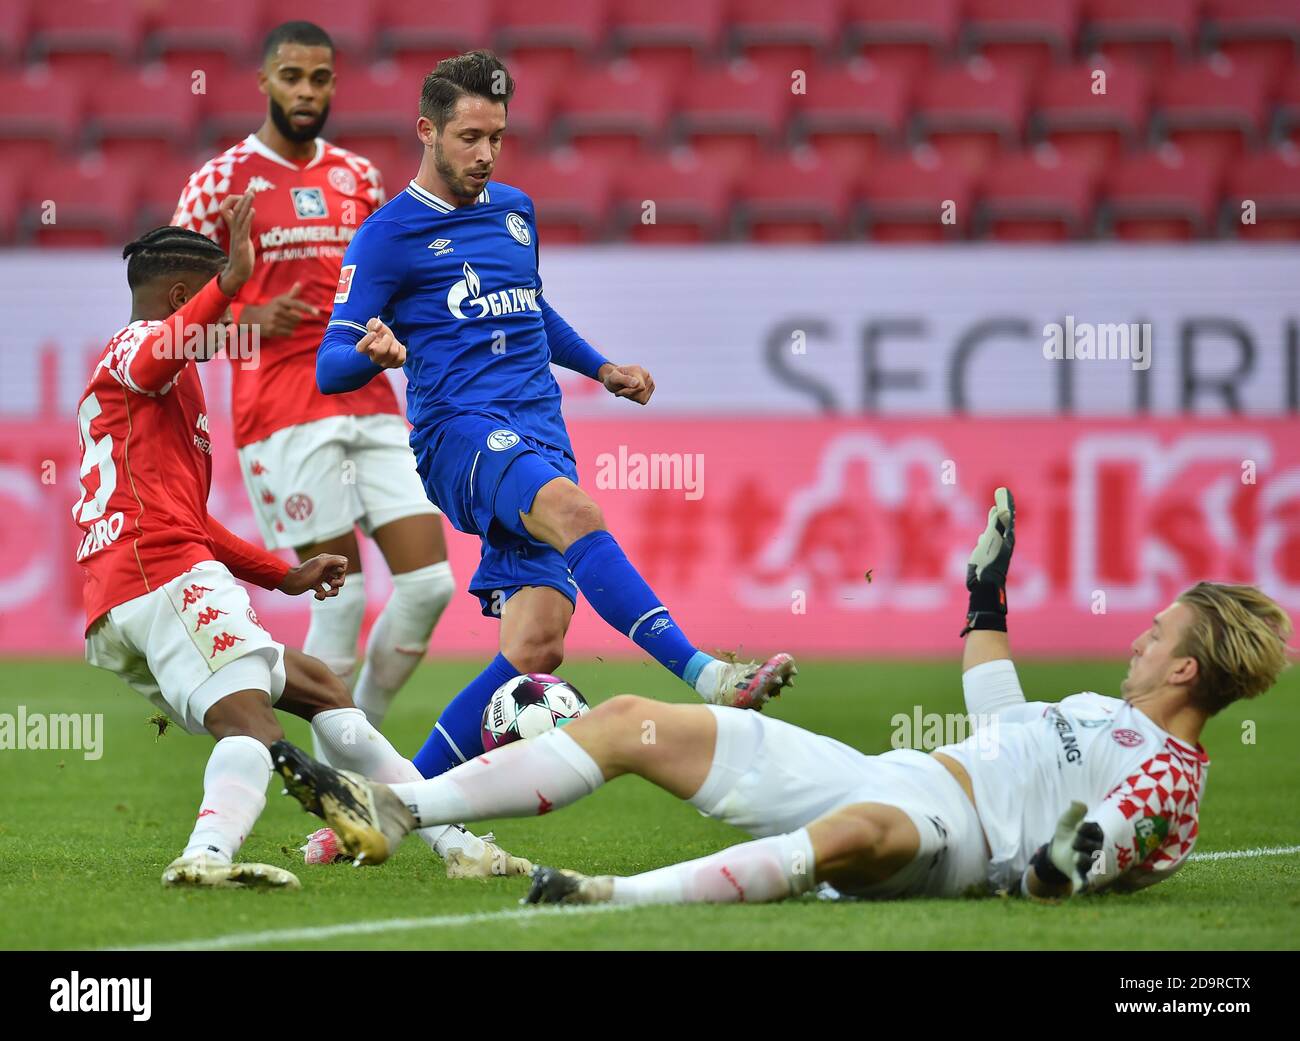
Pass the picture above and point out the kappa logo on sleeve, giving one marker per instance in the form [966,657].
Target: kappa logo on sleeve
[345,284]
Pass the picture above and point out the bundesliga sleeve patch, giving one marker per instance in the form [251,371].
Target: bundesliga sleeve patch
[345,284]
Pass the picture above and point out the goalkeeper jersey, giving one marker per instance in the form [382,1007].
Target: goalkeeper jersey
[1140,783]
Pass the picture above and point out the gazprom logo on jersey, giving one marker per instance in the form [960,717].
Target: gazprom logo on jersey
[468,292]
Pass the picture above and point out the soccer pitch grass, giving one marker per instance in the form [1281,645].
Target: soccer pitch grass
[83,843]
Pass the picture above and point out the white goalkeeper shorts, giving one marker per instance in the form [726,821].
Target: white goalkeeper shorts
[771,778]
[188,644]
[318,480]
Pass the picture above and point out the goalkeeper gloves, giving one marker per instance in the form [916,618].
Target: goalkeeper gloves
[986,570]
[1069,857]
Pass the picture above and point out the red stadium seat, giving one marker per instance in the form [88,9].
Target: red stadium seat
[15,24]
[40,117]
[1271,182]
[797,197]
[93,205]
[160,186]
[147,113]
[729,115]
[537,81]
[11,195]
[971,113]
[1024,34]
[690,200]
[559,33]
[613,111]
[669,37]
[378,101]
[1036,197]
[1088,127]
[414,25]
[232,109]
[1214,110]
[850,113]
[572,197]
[902,35]
[187,37]
[86,37]
[780,37]
[1264,34]
[1288,106]
[1154,33]
[1161,196]
[918,198]
[350,23]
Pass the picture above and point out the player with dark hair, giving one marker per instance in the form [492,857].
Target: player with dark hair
[163,608]
[316,467]
[448,270]
[1049,800]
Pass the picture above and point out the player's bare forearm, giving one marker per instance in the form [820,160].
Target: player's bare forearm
[983,645]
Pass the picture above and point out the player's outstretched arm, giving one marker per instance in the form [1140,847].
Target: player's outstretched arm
[989,681]
[168,348]
[372,274]
[985,631]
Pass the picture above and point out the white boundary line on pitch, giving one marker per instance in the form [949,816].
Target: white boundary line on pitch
[385,925]
[449,921]
[1239,854]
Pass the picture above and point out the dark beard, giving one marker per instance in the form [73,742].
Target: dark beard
[297,134]
[460,188]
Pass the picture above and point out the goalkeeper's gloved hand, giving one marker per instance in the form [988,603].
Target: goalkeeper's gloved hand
[1069,857]
[986,570]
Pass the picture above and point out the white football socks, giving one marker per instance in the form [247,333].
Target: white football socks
[333,632]
[401,635]
[234,793]
[706,683]
[773,868]
[351,743]
[527,778]
[335,627]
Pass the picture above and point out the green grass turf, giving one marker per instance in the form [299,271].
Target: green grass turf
[82,844]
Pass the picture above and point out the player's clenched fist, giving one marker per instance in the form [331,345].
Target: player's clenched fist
[381,346]
[627,381]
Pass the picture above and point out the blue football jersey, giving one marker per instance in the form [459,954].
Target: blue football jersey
[459,286]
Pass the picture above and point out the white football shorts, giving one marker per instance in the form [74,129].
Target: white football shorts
[188,644]
[318,480]
[771,778]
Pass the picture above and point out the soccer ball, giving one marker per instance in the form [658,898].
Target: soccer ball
[528,706]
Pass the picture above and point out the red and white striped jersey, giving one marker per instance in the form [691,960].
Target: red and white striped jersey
[1141,784]
[306,214]
[146,466]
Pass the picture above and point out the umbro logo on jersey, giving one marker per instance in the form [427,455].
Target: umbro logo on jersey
[309,203]
[258,184]
[442,247]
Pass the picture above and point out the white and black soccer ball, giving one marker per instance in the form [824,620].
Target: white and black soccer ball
[528,706]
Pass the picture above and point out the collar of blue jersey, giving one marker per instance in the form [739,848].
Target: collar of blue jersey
[266,152]
[441,205]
